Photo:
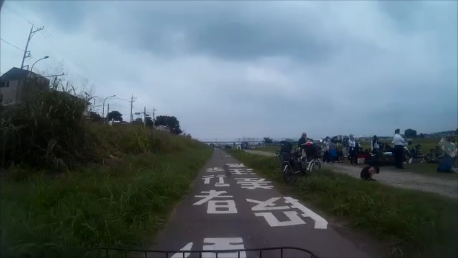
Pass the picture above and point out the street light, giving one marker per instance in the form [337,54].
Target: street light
[103,105]
[46,57]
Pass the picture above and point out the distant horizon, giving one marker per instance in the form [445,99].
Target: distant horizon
[260,139]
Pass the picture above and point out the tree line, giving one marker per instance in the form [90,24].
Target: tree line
[171,122]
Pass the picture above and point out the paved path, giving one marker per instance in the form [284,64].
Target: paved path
[245,211]
[395,178]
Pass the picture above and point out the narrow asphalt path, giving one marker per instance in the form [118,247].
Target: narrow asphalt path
[231,207]
[404,179]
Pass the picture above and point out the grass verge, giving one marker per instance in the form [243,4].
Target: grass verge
[115,206]
[413,223]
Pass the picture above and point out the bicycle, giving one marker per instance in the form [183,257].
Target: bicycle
[311,162]
[271,252]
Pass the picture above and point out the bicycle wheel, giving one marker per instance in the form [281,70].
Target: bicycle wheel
[288,173]
[317,165]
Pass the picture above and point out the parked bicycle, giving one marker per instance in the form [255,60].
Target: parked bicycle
[293,163]
[273,252]
[312,161]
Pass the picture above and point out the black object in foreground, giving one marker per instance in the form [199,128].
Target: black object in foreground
[272,252]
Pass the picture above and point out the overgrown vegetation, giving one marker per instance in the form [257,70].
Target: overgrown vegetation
[413,223]
[73,184]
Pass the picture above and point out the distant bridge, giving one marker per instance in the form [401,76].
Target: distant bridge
[252,141]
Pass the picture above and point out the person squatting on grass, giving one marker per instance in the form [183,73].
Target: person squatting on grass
[368,171]
[352,150]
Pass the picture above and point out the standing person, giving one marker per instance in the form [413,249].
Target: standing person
[375,144]
[326,150]
[352,150]
[301,144]
[398,150]
[332,151]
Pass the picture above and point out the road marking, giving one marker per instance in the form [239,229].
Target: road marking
[267,205]
[220,182]
[254,183]
[214,244]
[211,194]
[215,169]
[187,247]
[293,217]
[221,207]
[241,171]
[236,165]
[319,222]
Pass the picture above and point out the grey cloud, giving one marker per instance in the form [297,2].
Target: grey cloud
[323,67]
[229,30]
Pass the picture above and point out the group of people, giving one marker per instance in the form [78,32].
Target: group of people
[333,154]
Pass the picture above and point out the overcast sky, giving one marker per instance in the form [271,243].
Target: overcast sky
[253,69]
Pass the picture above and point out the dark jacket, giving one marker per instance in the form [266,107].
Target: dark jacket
[301,141]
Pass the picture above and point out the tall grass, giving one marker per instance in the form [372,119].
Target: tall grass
[116,186]
[46,131]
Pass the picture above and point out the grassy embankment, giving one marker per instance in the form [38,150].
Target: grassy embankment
[412,223]
[77,185]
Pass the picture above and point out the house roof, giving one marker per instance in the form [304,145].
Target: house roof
[16,74]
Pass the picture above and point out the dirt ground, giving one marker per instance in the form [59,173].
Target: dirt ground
[396,178]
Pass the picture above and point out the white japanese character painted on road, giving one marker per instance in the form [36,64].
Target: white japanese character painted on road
[294,218]
[187,247]
[320,222]
[220,182]
[217,207]
[238,171]
[267,205]
[254,183]
[235,165]
[215,169]
[214,244]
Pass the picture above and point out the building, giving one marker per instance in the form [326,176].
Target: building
[18,85]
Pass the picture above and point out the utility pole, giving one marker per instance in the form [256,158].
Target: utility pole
[144,116]
[132,99]
[26,51]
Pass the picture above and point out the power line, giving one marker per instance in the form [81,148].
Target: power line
[18,14]
[18,48]
[50,38]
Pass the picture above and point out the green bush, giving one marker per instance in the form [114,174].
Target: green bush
[50,132]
